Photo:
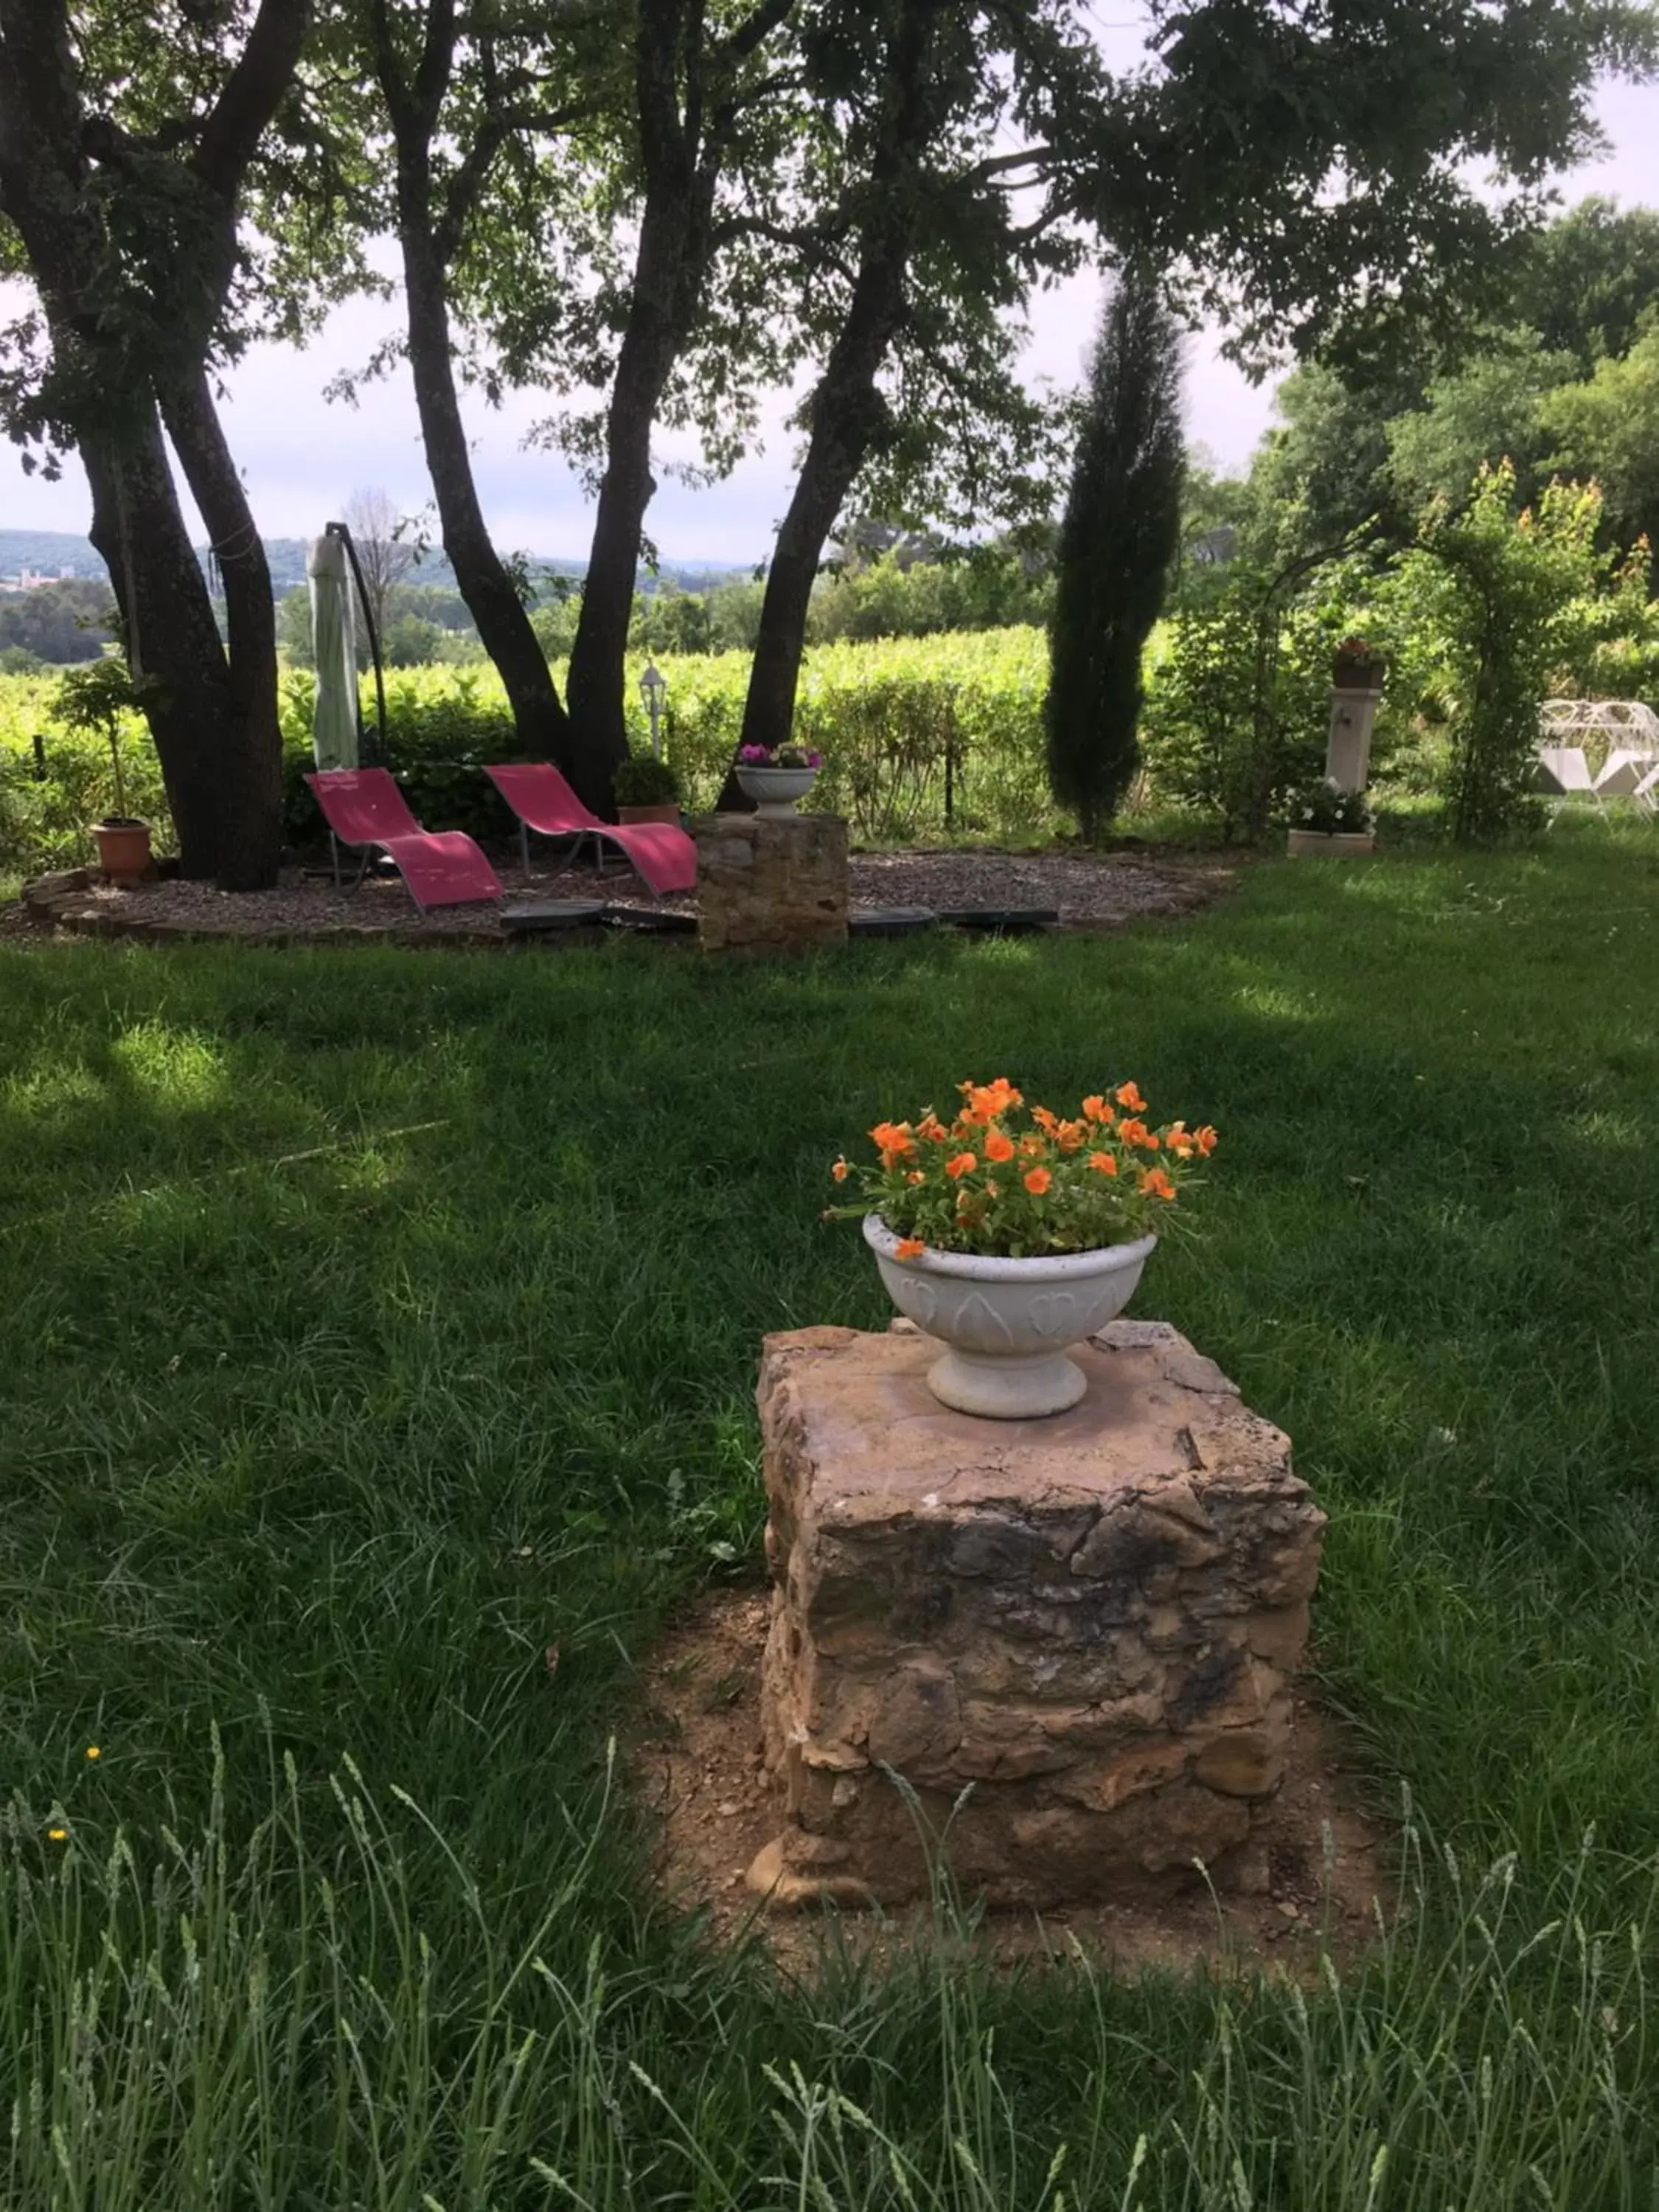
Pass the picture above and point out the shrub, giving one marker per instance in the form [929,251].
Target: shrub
[642,780]
[1121,531]
[898,723]
[1514,595]
[1238,704]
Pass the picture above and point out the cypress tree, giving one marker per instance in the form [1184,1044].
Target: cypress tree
[1122,528]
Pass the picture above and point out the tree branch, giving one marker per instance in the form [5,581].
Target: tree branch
[817,246]
[239,116]
[437,59]
[753,30]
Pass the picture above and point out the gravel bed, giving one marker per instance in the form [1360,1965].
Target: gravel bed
[1088,892]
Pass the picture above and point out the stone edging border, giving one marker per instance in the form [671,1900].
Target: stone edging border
[57,901]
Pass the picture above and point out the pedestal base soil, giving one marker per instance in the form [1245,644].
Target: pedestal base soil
[1006,1325]
[1329,844]
[1088,1623]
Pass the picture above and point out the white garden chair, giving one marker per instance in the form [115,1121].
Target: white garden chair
[1623,770]
[1564,772]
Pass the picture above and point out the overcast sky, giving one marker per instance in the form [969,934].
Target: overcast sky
[301,454]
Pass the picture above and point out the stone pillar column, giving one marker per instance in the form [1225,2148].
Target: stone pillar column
[1348,748]
[770,886]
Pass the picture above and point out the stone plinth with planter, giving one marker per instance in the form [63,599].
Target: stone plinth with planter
[770,886]
[1092,1620]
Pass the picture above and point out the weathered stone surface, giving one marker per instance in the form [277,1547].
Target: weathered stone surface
[1086,1623]
[770,886]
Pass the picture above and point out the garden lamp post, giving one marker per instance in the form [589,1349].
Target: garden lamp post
[655,687]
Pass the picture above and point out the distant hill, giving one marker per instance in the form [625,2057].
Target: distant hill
[46,552]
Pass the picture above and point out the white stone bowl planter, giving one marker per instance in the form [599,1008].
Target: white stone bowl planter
[1006,1324]
[776,791]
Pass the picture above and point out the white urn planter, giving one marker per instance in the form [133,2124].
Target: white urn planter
[1006,1324]
[776,791]
[1335,844]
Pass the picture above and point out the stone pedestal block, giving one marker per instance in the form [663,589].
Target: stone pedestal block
[1348,745]
[1091,1620]
[770,886]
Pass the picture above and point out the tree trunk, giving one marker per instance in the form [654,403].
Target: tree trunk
[169,630]
[544,730]
[848,412]
[670,267]
[849,415]
[251,778]
[595,685]
[843,427]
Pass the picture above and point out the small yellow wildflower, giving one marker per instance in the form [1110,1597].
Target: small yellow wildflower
[92,1751]
[57,1835]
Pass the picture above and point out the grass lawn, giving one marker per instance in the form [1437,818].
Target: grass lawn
[374,1321]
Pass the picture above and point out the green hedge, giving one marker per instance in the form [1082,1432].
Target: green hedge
[887,717]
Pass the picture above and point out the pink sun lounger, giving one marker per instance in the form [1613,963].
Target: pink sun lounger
[363,806]
[543,802]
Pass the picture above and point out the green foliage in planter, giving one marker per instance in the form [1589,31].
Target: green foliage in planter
[97,700]
[1329,812]
[642,780]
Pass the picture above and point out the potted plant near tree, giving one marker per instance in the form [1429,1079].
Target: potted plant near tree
[777,777]
[646,789]
[92,701]
[1010,1234]
[1327,819]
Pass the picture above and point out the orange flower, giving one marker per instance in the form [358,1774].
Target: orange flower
[1102,1164]
[1044,1119]
[1137,1133]
[965,1163]
[1095,1109]
[932,1128]
[999,1146]
[1127,1095]
[1032,1146]
[986,1100]
[1071,1135]
[1154,1184]
[893,1141]
[1205,1139]
[1038,1181]
[909,1248]
[839,1170]
[1180,1144]
[915,1175]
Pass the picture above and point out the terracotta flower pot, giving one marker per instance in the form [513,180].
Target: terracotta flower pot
[1332,844]
[668,812]
[123,848]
